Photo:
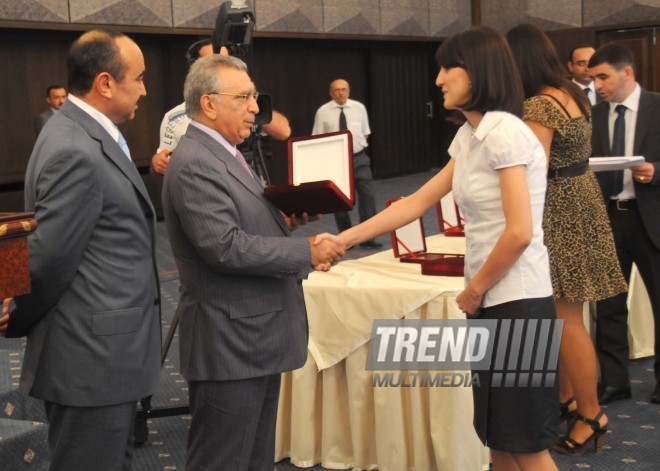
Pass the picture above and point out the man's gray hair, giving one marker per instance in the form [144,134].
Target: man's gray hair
[203,78]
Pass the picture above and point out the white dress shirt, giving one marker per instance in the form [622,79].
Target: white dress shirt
[357,121]
[632,106]
[593,99]
[501,140]
[97,116]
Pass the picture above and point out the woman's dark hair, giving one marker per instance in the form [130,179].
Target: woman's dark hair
[485,55]
[539,65]
[94,52]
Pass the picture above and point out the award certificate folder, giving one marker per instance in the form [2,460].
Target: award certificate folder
[603,164]
[320,176]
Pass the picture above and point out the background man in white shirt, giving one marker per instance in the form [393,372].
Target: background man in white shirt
[329,119]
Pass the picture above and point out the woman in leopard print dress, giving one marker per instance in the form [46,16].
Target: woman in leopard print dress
[583,263]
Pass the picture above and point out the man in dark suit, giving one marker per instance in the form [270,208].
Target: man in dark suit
[93,319]
[627,123]
[578,65]
[55,97]
[243,318]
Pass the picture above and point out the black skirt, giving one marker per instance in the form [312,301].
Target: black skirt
[507,416]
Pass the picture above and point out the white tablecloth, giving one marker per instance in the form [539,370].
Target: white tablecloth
[329,411]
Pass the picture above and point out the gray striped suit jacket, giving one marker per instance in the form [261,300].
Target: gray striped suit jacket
[242,307]
[93,319]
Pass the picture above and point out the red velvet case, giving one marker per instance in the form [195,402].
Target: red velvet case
[320,176]
[409,246]
[14,259]
[450,220]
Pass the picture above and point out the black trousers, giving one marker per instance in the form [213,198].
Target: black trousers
[233,424]
[86,438]
[632,245]
[364,189]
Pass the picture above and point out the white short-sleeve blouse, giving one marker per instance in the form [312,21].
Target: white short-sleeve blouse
[501,140]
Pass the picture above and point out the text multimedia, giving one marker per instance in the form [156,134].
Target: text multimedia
[409,379]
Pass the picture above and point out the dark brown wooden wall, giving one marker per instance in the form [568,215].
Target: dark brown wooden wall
[393,79]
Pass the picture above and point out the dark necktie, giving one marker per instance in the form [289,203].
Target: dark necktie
[587,94]
[342,119]
[619,146]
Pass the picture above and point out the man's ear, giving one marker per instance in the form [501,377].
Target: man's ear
[629,72]
[209,107]
[104,84]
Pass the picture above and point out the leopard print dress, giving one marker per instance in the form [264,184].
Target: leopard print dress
[583,262]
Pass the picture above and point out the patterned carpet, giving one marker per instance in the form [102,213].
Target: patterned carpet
[632,443]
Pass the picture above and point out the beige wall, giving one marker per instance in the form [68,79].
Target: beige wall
[414,18]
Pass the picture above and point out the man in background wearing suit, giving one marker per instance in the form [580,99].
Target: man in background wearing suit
[578,65]
[627,123]
[243,319]
[55,97]
[93,318]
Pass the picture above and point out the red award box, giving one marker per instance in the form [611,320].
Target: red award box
[449,217]
[409,246]
[14,260]
[320,176]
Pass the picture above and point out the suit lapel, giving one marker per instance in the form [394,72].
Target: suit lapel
[111,149]
[643,118]
[236,170]
[599,115]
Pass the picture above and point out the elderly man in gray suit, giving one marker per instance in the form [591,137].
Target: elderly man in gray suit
[243,318]
[93,319]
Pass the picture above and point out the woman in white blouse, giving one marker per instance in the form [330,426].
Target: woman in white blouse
[497,173]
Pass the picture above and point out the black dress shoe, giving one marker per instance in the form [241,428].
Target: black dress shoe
[371,244]
[607,394]
[655,397]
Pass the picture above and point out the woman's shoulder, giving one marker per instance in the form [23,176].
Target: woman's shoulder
[512,140]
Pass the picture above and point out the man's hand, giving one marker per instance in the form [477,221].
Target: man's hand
[160,161]
[4,320]
[294,222]
[643,173]
[325,253]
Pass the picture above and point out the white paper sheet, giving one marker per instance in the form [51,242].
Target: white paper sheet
[603,164]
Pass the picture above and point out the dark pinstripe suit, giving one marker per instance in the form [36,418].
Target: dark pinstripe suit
[243,318]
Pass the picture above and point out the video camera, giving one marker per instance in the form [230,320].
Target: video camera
[233,30]
[233,27]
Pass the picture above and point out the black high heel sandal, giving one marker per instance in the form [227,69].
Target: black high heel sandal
[565,414]
[568,446]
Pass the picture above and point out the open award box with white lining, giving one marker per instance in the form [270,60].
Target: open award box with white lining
[409,246]
[449,217]
[320,176]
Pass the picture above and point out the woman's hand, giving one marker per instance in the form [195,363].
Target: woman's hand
[469,301]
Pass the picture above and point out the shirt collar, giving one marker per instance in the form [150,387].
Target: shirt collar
[591,85]
[488,122]
[99,117]
[215,135]
[345,105]
[632,102]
